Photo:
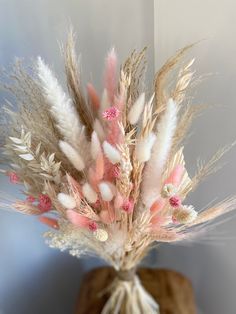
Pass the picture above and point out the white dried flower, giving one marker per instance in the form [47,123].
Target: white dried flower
[89,193]
[66,200]
[184,214]
[106,191]
[168,190]
[101,235]
[111,152]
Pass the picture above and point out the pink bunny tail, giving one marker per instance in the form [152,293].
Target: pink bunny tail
[175,176]
[110,74]
[93,96]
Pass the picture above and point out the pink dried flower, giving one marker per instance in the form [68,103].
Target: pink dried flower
[175,201]
[92,226]
[115,171]
[45,203]
[14,178]
[128,206]
[111,113]
[49,222]
[30,199]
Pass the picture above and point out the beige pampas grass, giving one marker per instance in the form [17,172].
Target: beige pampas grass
[137,109]
[72,155]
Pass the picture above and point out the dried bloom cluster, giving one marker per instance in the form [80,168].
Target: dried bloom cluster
[107,174]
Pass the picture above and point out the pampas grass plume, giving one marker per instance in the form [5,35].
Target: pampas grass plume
[111,152]
[66,200]
[61,105]
[137,109]
[73,156]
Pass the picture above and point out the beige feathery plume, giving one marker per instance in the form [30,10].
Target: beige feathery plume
[74,85]
[137,109]
[162,75]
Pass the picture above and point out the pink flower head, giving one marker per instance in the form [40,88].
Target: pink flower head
[175,201]
[14,178]
[30,199]
[92,226]
[45,203]
[111,113]
[49,222]
[128,206]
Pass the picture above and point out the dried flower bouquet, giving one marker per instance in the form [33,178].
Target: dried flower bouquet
[106,174]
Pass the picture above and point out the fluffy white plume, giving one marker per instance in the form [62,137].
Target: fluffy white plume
[89,193]
[144,147]
[160,152]
[136,109]
[61,105]
[99,130]
[66,200]
[95,145]
[73,156]
[111,152]
[105,191]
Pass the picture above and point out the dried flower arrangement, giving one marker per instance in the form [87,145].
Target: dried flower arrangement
[107,175]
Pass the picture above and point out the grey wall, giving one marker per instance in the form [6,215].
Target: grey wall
[178,23]
[33,278]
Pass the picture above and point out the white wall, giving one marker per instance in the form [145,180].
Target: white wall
[178,23]
[33,278]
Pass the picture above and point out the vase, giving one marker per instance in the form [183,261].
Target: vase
[171,292]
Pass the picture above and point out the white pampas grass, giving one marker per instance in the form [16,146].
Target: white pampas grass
[137,109]
[98,128]
[89,193]
[95,145]
[106,191]
[160,152]
[144,146]
[66,200]
[61,105]
[111,152]
[73,156]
